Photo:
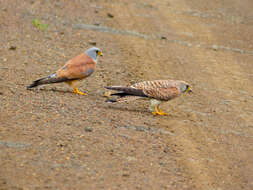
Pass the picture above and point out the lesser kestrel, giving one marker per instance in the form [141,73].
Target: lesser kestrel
[73,71]
[157,91]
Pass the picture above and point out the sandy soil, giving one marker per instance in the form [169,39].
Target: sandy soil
[51,138]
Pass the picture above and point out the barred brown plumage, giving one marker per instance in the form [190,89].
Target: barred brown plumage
[158,91]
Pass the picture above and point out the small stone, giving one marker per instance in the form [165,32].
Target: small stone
[88,129]
[110,15]
[215,47]
[130,158]
[141,128]
[125,174]
[93,43]
[166,150]
[13,48]
[192,116]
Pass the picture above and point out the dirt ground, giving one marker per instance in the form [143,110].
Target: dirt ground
[53,139]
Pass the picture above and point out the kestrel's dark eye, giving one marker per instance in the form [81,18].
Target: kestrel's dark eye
[186,88]
[98,52]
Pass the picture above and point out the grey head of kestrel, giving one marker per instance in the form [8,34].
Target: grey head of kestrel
[74,70]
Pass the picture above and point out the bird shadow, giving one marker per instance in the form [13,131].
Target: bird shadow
[51,90]
[123,108]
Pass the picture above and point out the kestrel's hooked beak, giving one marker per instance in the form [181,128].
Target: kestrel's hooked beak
[189,90]
[100,53]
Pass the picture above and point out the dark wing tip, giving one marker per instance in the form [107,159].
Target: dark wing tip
[34,83]
[107,87]
[31,86]
[110,101]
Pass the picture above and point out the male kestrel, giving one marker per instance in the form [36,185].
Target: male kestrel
[73,71]
[157,91]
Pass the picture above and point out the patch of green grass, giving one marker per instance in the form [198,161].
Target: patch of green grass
[42,27]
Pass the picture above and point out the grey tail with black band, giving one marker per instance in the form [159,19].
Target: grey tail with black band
[48,80]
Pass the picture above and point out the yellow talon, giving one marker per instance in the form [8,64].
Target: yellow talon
[161,112]
[76,91]
[158,111]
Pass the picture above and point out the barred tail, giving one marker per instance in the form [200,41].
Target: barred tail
[128,98]
[124,91]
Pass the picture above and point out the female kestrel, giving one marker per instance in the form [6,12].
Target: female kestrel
[73,71]
[157,91]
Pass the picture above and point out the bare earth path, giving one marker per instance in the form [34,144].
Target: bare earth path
[53,139]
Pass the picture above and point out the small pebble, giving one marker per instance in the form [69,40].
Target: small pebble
[88,129]
[13,48]
[125,174]
[92,43]
[215,47]
[110,15]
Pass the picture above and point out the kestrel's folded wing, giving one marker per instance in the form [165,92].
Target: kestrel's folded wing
[161,93]
[79,67]
[158,89]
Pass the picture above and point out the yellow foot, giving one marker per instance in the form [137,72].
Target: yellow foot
[76,91]
[158,111]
